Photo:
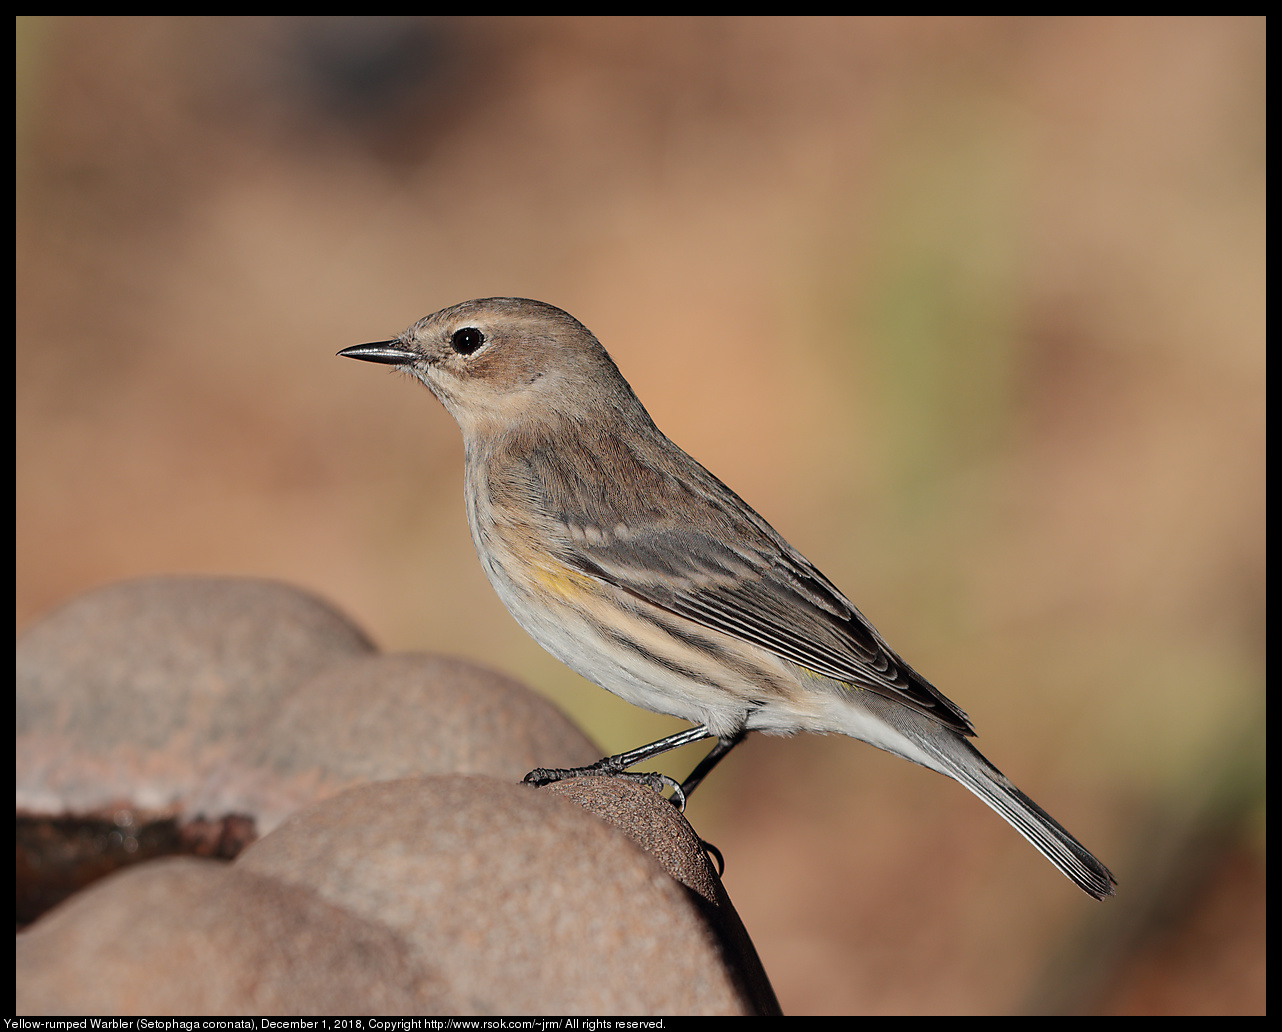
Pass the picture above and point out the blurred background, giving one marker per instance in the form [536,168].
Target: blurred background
[971,310]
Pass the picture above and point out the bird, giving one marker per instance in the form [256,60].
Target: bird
[637,568]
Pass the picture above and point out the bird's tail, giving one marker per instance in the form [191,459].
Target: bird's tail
[963,762]
[896,728]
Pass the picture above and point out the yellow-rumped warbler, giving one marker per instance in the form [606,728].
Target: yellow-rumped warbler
[640,570]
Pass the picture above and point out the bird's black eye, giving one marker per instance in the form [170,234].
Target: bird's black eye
[467,340]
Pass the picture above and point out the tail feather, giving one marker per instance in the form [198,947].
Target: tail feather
[910,734]
[967,765]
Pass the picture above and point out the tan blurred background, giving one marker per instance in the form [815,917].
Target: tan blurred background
[971,310]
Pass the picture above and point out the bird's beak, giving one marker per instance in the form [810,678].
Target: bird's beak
[387,352]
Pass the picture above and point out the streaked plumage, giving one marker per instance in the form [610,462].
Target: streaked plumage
[637,568]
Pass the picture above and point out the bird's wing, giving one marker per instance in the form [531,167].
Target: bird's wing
[767,600]
[706,555]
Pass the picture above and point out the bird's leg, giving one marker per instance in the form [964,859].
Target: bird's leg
[617,766]
[715,756]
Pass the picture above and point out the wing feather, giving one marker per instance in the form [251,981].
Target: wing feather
[691,546]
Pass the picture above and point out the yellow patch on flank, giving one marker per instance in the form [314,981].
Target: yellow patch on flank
[561,580]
